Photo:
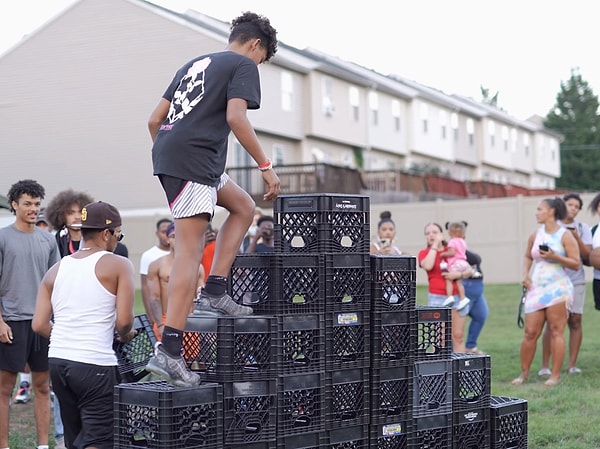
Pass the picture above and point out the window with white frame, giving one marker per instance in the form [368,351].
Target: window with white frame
[241,158]
[443,123]
[354,98]
[424,116]
[526,144]
[513,140]
[278,154]
[471,131]
[374,107]
[454,124]
[287,90]
[492,133]
[504,132]
[396,114]
[327,96]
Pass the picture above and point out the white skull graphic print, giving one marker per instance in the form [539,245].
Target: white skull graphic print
[189,92]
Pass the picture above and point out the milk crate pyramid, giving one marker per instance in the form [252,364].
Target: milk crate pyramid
[336,355]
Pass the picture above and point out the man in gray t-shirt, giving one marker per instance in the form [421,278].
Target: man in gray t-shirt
[26,253]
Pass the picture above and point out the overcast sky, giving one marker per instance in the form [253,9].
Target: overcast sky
[523,49]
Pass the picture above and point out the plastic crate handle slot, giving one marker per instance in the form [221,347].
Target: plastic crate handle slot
[253,428]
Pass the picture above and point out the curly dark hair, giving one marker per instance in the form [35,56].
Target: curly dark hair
[25,187]
[593,207]
[252,26]
[57,208]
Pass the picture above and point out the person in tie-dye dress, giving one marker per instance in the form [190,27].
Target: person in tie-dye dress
[550,249]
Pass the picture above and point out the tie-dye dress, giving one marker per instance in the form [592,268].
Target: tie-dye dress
[550,284]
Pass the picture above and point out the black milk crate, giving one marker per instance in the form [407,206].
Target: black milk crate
[393,338]
[471,381]
[432,432]
[433,338]
[471,428]
[300,343]
[347,340]
[157,415]
[347,399]
[249,411]
[508,423]
[231,348]
[271,444]
[300,404]
[311,440]
[391,434]
[250,282]
[133,356]
[348,282]
[432,388]
[393,282]
[347,437]
[322,223]
[299,283]
[391,393]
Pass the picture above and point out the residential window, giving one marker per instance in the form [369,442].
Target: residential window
[424,115]
[327,96]
[374,107]
[526,144]
[278,154]
[241,156]
[492,133]
[287,90]
[505,137]
[443,123]
[454,124]
[354,97]
[513,140]
[396,114]
[471,131]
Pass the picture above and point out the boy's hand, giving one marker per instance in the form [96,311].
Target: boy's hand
[273,185]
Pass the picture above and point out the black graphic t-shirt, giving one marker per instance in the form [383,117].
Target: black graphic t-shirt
[191,144]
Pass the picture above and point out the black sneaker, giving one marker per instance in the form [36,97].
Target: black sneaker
[172,369]
[222,305]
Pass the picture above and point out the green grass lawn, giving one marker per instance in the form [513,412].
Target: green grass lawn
[566,416]
[563,417]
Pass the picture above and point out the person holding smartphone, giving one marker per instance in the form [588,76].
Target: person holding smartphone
[583,237]
[386,233]
[263,240]
[550,249]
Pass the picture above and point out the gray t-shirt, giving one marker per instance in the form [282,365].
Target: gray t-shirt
[25,257]
[578,276]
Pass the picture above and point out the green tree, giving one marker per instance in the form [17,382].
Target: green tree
[487,99]
[575,116]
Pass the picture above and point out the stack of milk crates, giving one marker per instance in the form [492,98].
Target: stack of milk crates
[322,275]
[154,414]
[317,285]
[422,394]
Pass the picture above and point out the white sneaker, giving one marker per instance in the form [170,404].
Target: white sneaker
[574,370]
[463,303]
[544,372]
[449,302]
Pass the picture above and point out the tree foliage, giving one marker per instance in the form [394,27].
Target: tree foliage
[575,116]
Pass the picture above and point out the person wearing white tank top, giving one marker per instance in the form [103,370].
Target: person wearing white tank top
[81,302]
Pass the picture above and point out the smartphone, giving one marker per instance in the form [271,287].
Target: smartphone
[384,242]
[544,247]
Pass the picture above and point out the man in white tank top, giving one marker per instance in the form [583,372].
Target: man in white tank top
[89,295]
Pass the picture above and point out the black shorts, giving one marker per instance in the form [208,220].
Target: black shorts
[596,291]
[86,394]
[27,347]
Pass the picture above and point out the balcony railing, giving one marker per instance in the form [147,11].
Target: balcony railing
[382,186]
